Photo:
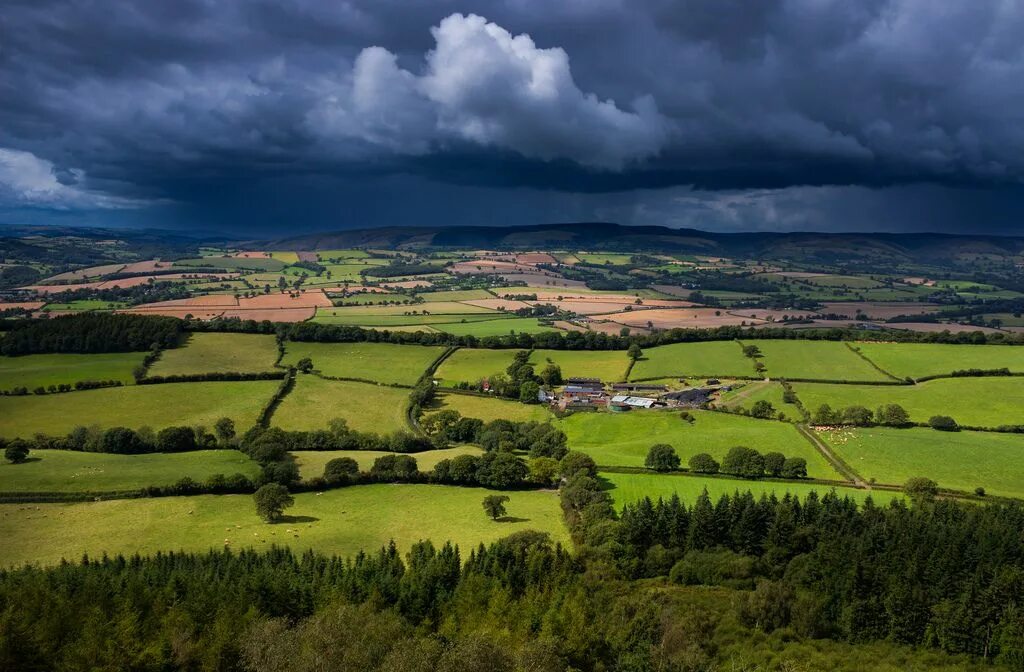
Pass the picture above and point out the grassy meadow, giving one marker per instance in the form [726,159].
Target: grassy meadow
[817,360]
[490,408]
[33,371]
[916,360]
[626,488]
[72,471]
[470,365]
[217,352]
[623,439]
[977,402]
[608,365]
[312,462]
[500,326]
[342,522]
[380,362]
[712,358]
[314,402]
[957,460]
[156,406]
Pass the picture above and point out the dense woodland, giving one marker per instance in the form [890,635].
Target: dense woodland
[90,333]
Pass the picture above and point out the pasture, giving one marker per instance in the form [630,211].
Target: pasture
[455,295]
[977,402]
[608,365]
[34,371]
[490,408]
[816,360]
[745,395]
[622,440]
[218,353]
[231,263]
[495,327]
[626,488]
[917,360]
[342,522]
[379,362]
[710,358]
[314,402]
[356,316]
[155,406]
[312,462]
[72,471]
[956,460]
[470,365]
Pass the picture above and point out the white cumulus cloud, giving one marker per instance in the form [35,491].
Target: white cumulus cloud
[484,86]
[27,180]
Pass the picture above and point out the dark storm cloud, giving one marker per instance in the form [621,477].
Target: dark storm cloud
[572,107]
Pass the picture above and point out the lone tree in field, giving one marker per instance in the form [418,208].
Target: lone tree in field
[305,365]
[16,451]
[635,352]
[662,457]
[271,501]
[494,505]
[762,409]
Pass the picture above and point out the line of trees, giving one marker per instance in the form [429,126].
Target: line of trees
[90,333]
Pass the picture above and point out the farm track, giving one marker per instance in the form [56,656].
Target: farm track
[837,463]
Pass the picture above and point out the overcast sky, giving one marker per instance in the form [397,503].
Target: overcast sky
[320,114]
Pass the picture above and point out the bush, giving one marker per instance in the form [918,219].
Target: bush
[393,468]
[714,568]
[176,440]
[575,462]
[943,423]
[16,451]
[921,489]
[662,457]
[762,409]
[340,469]
[702,463]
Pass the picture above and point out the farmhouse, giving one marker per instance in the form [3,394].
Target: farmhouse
[636,402]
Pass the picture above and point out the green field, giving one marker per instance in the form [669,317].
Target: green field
[916,360]
[626,488]
[368,408]
[957,460]
[977,402]
[216,353]
[85,304]
[32,371]
[342,522]
[608,365]
[817,360]
[231,263]
[495,327]
[413,310]
[380,362]
[711,358]
[470,365]
[325,255]
[356,316]
[623,439]
[491,408]
[745,395]
[456,295]
[155,406]
[71,471]
[312,462]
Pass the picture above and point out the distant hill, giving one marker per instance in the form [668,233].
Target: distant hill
[803,246]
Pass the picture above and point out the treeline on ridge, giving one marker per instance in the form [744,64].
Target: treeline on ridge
[90,332]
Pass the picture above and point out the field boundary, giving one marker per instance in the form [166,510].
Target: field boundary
[837,462]
[725,477]
[860,354]
[267,413]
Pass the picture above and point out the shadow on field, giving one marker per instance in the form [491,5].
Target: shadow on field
[511,519]
[296,519]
